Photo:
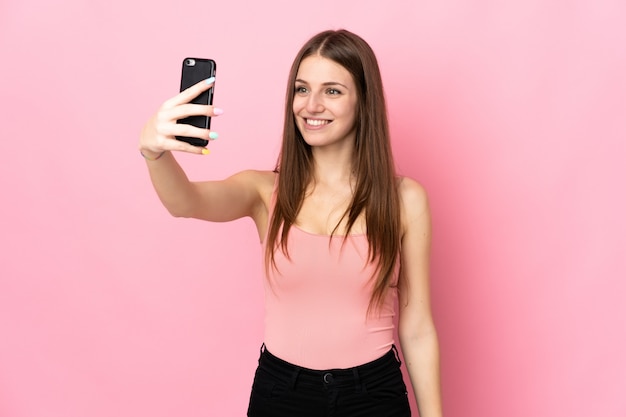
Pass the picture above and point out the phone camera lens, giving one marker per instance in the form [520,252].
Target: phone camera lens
[190,62]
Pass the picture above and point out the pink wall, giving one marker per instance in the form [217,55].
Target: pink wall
[513,117]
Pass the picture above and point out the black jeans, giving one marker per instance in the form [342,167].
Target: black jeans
[375,389]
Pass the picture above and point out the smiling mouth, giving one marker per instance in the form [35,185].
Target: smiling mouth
[317,122]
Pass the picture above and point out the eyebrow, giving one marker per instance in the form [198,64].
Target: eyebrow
[328,83]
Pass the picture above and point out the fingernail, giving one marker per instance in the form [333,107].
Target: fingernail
[210,80]
[205,151]
[213,135]
[217,111]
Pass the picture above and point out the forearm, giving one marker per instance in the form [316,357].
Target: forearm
[421,355]
[171,184]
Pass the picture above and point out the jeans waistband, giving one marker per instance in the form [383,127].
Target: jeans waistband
[293,374]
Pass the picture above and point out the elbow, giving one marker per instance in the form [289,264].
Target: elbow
[179,211]
[407,336]
[180,214]
[184,206]
[412,332]
[415,338]
[177,214]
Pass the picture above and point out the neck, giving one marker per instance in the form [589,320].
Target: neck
[332,166]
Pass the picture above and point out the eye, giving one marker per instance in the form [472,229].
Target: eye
[300,89]
[333,92]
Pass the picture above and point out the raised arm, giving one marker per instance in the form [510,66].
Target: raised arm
[418,336]
[243,194]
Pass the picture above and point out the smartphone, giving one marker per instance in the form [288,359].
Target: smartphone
[196,70]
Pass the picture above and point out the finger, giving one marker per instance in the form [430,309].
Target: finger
[190,93]
[186,110]
[180,146]
[182,129]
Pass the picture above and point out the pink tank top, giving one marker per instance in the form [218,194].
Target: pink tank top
[316,304]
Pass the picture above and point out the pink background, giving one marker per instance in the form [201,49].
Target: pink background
[512,114]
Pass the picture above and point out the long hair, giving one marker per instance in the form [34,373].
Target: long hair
[375,192]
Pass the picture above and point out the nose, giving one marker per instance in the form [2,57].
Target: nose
[314,104]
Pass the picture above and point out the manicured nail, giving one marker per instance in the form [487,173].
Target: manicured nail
[213,135]
[217,111]
[210,80]
[205,151]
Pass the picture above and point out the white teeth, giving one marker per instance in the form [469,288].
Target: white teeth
[317,122]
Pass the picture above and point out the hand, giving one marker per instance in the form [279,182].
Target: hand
[158,134]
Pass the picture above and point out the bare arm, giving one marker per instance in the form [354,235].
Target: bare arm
[418,336]
[243,194]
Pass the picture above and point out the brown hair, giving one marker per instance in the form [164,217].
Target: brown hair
[375,192]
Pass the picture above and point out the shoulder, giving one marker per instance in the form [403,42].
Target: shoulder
[412,194]
[413,202]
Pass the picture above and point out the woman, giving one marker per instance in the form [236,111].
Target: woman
[344,239]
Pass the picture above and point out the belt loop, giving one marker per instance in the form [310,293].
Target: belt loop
[294,377]
[395,350]
[262,350]
[357,380]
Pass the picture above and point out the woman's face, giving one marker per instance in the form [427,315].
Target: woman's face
[325,102]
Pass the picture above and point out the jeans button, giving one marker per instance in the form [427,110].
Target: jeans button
[328,377]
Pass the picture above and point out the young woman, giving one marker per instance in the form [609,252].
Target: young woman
[345,240]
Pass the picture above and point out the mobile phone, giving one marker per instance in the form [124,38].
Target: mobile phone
[196,70]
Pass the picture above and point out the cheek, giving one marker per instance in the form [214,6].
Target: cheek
[297,105]
[349,107]
[354,118]
[351,111]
